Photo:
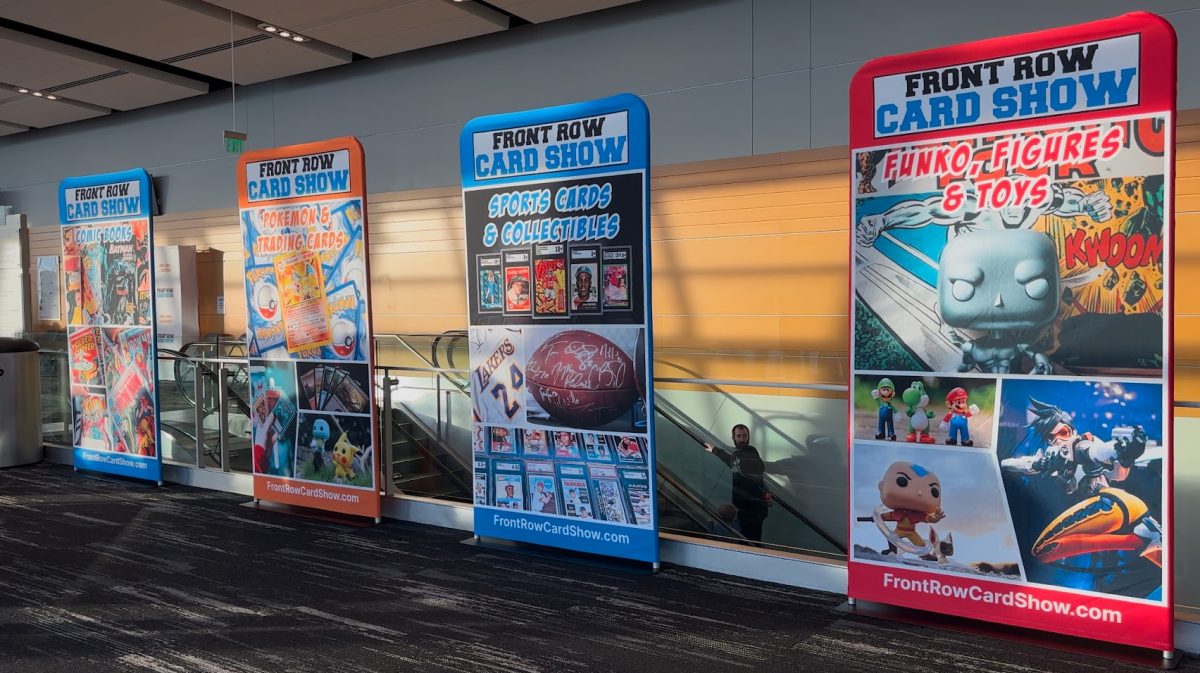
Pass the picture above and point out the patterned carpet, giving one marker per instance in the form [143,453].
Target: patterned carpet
[99,576]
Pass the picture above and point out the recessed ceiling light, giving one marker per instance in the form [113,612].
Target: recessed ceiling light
[270,29]
[38,94]
[284,33]
[297,38]
[51,97]
[22,90]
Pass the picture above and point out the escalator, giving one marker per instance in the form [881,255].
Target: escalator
[688,503]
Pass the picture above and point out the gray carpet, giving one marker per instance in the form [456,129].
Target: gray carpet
[99,575]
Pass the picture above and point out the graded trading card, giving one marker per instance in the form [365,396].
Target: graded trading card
[629,449]
[566,445]
[491,284]
[549,280]
[543,497]
[595,448]
[502,441]
[585,279]
[535,444]
[516,282]
[577,500]
[509,494]
[637,485]
[481,483]
[616,278]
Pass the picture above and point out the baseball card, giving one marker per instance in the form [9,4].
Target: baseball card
[491,284]
[585,279]
[516,282]
[550,280]
[616,279]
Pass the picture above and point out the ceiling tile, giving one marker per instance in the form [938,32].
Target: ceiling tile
[127,92]
[152,29]
[39,69]
[539,11]
[39,112]
[261,61]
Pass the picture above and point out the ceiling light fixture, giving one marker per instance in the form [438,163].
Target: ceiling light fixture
[280,32]
[284,33]
[270,29]
[51,97]
[38,94]
[297,38]
[22,90]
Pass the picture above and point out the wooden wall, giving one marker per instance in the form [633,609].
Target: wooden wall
[750,265]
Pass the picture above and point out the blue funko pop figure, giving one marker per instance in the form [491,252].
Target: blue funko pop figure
[1003,283]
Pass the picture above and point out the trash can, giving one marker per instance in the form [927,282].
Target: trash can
[20,403]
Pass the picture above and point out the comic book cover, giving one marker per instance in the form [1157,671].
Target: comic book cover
[92,427]
[141,260]
[543,497]
[95,296]
[302,301]
[84,350]
[637,486]
[509,493]
[585,280]
[73,279]
[516,282]
[629,449]
[491,284]
[616,279]
[1091,231]
[549,280]
[502,441]
[536,444]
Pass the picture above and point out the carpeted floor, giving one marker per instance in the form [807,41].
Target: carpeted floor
[99,576]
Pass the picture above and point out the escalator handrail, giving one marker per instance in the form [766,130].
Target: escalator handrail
[447,470]
[790,509]
[679,485]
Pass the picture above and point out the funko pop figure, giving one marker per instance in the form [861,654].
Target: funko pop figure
[1004,283]
[917,400]
[914,495]
[885,392]
[956,419]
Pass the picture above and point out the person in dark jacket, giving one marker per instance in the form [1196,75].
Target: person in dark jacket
[750,494]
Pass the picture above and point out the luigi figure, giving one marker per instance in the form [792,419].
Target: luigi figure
[884,392]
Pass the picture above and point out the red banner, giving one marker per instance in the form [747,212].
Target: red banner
[1010,404]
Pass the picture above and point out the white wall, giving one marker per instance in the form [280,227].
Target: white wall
[723,78]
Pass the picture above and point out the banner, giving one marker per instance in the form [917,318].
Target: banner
[1011,416]
[558,256]
[108,262]
[304,236]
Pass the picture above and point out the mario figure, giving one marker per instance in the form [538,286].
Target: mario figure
[884,392]
[956,419]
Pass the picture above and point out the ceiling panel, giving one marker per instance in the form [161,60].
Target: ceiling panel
[39,69]
[261,61]
[374,27]
[149,28]
[39,112]
[127,92]
[539,11]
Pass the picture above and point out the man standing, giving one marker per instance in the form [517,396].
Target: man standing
[750,494]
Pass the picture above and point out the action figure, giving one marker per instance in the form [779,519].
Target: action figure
[918,416]
[884,392]
[320,435]
[956,419]
[1063,451]
[914,495]
[1004,283]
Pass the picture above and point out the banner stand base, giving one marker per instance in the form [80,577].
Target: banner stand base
[564,555]
[312,514]
[1153,659]
[118,479]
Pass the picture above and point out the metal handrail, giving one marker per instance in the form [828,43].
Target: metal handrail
[782,503]
[678,484]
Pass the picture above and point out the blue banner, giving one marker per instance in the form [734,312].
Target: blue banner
[108,263]
[556,203]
